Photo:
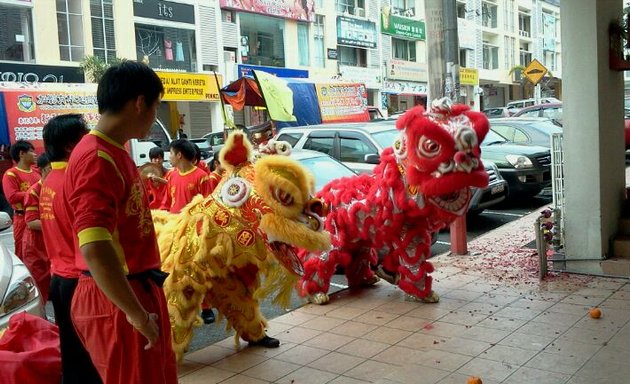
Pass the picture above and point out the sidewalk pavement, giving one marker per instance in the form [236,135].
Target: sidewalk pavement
[495,320]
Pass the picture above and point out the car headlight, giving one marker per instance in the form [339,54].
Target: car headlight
[21,290]
[519,161]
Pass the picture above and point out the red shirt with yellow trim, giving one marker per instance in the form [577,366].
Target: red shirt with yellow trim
[203,166]
[31,202]
[15,183]
[157,190]
[106,201]
[182,187]
[56,224]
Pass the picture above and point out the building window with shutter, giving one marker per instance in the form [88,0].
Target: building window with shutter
[404,49]
[103,37]
[303,45]
[320,46]
[70,29]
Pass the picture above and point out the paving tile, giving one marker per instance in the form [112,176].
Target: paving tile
[506,354]
[463,346]
[294,318]
[595,292]
[239,362]
[583,300]
[307,375]
[353,329]
[539,305]
[188,366]
[526,341]
[430,312]
[336,363]
[371,370]
[617,304]
[387,335]
[347,380]
[269,352]
[210,354]
[604,371]
[502,323]
[448,303]
[444,360]
[376,317]
[462,294]
[488,335]
[346,313]
[368,303]
[556,363]
[421,341]
[398,355]
[620,295]
[479,286]
[614,284]
[408,323]
[518,313]
[298,335]
[526,375]
[458,378]
[206,375]
[322,323]
[328,341]
[489,369]
[572,349]
[558,318]
[318,310]
[574,309]
[480,308]
[302,354]
[271,370]
[363,348]
[497,299]
[589,336]
[242,379]
[417,374]
[543,329]
[463,318]
[441,328]
[398,307]
[274,328]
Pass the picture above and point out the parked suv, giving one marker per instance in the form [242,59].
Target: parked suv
[515,106]
[359,145]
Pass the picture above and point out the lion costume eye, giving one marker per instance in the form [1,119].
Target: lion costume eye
[400,147]
[282,196]
[428,148]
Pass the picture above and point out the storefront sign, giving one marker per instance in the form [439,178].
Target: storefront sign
[247,70]
[356,32]
[467,34]
[406,70]
[403,87]
[468,76]
[190,86]
[401,26]
[288,9]
[342,102]
[332,54]
[27,111]
[30,73]
[164,10]
[371,77]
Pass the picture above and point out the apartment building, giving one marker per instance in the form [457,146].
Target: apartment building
[497,36]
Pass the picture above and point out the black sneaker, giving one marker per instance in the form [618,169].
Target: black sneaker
[267,342]
[208,316]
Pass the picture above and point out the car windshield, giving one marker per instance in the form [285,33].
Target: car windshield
[203,144]
[325,169]
[493,138]
[386,138]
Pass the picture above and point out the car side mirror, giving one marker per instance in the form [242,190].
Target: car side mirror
[372,158]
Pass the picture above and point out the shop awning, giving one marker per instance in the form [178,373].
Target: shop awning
[242,92]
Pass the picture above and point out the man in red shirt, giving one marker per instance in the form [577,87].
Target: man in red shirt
[118,309]
[33,246]
[15,182]
[198,161]
[61,135]
[186,181]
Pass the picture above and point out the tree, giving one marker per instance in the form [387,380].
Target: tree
[94,67]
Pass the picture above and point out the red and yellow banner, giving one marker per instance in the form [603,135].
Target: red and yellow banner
[27,111]
[341,103]
[288,9]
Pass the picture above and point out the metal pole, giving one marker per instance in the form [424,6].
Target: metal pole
[435,40]
[451,51]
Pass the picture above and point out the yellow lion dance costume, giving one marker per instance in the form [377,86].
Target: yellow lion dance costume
[222,246]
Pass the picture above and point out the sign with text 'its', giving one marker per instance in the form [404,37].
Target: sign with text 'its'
[190,86]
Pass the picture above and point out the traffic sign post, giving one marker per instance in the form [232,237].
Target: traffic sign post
[535,72]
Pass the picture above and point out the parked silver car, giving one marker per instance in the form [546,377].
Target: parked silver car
[18,292]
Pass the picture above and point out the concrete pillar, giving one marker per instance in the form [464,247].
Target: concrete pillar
[593,131]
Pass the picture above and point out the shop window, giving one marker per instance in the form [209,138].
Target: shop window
[228,16]
[166,48]
[103,36]
[16,34]
[354,57]
[461,10]
[351,7]
[320,45]
[463,55]
[524,24]
[404,49]
[303,46]
[70,28]
[262,40]
[489,15]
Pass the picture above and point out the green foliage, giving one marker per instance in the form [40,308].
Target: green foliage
[94,67]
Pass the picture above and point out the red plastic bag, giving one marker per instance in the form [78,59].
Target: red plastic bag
[29,351]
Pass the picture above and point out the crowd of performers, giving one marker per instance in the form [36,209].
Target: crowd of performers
[84,227]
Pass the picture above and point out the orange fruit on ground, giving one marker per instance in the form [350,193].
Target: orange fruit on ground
[474,380]
[595,313]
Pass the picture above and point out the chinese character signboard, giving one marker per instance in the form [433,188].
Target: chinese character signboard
[356,32]
[340,103]
[189,87]
[401,26]
[468,76]
[406,70]
[288,9]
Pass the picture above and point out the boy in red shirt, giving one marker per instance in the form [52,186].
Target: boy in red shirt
[61,135]
[186,181]
[156,186]
[33,246]
[119,310]
[15,182]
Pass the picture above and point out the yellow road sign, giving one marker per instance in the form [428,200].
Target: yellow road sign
[535,71]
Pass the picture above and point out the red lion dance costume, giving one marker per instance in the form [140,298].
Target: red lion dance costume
[387,218]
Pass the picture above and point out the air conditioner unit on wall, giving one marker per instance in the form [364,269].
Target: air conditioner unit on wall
[359,12]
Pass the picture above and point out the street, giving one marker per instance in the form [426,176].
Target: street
[487,221]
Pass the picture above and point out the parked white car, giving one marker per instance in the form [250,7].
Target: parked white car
[18,292]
